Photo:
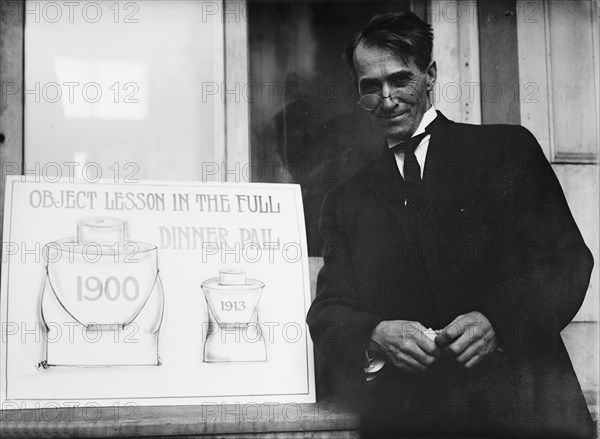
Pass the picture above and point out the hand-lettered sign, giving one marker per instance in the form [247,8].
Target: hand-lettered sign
[154,293]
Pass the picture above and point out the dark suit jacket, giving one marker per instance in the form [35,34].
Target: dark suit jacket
[493,234]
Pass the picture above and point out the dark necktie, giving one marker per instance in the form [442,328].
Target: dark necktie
[412,170]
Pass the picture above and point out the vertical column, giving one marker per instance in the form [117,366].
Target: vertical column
[11,98]
[498,49]
[456,51]
[238,92]
[533,73]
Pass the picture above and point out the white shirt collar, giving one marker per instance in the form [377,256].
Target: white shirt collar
[428,117]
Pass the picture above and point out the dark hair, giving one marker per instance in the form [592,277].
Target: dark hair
[405,34]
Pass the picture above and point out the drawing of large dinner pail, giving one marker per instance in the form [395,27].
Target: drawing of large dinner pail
[102,302]
[234,332]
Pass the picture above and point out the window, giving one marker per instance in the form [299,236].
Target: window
[123,89]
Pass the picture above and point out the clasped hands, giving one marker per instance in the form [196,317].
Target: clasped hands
[468,339]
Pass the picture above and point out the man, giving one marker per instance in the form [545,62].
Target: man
[451,263]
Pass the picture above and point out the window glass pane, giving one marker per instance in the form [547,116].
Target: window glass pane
[123,82]
[306,126]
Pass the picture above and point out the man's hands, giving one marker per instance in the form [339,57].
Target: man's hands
[469,339]
[405,345]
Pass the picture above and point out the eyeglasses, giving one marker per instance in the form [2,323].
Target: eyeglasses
[371,101]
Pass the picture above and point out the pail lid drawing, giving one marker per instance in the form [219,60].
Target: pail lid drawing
[232,279]
[100,230]
[98,237]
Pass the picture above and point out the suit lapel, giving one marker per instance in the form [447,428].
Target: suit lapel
[441,155]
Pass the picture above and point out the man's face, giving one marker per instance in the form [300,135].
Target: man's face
[381,72]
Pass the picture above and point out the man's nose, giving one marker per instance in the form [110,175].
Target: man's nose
[386,101]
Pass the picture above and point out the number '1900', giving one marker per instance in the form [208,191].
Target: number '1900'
[92,288]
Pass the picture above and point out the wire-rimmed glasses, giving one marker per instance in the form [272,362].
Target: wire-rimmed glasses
[371,101]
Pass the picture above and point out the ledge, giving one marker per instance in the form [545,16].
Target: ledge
[206,419]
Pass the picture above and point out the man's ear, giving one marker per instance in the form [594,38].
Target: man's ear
[431,73]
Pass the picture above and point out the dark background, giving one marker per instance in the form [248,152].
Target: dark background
[305,124]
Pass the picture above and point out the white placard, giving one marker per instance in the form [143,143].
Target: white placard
[154,293]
